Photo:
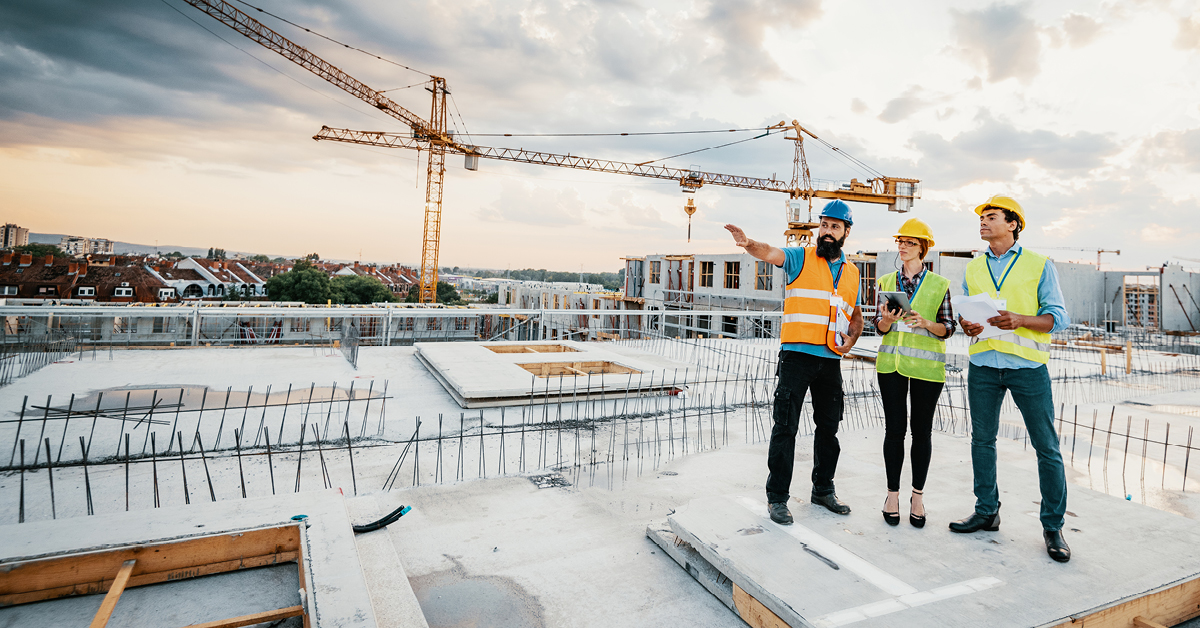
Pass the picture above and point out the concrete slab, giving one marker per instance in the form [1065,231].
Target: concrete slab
[827,570]
[336,592]
[479,377]
[392,596]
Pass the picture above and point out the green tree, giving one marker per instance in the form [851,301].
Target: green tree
[175,254]
[446,294]
[493,297]
[259,258]
[40,250]
[236,293]
[358,289]
[313,257]
[302,283]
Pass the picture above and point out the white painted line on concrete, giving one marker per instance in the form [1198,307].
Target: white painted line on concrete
[838,554]
[912,600]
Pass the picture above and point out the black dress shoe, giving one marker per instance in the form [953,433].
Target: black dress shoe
[917,521]
[779,513]
[977,522]
[831,502]
[1056,545]
[892,518]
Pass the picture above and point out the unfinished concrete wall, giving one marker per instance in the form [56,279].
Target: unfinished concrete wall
[1083,290]
[1176,299]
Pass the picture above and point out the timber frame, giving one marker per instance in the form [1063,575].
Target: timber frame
[113,569]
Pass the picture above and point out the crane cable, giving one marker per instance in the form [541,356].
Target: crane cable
[309,30]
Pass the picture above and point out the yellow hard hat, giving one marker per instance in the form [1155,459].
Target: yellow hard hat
[916,228]
[1004,202]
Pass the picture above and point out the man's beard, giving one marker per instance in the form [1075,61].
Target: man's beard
[830,249]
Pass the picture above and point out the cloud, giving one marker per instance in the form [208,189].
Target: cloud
[1000,38]
[1168,148]
[904,105]
[1188,37]
[1081,29]
[522,203]
[993,149]
[858,106]
[1154,232]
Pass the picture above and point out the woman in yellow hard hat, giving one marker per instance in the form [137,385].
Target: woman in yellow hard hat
[911,362]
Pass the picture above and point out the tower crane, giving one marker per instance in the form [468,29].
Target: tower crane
[433,136]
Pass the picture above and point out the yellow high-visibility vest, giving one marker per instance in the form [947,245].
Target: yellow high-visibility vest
[1018,285]
[916,353]
[809,314]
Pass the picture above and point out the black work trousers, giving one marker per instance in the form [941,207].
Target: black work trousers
[800,373]
[896,391]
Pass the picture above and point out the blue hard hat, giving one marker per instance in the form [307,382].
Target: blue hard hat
[838,209]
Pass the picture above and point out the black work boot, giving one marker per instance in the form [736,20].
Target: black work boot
[831,502]
[779,513]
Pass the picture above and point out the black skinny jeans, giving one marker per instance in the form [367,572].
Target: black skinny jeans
[799,373]
[894,388]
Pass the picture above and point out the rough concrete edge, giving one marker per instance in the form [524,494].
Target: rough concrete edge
[692,562]
[441,380]
[1081,615]
[403,608]
[723,565]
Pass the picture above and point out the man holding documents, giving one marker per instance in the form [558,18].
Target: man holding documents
[821,323]
[1014,303]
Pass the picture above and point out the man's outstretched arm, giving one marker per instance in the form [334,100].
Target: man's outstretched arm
[761,250]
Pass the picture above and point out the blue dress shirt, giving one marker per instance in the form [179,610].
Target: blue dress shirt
[1050,301]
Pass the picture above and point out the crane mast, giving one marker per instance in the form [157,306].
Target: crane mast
[432,133]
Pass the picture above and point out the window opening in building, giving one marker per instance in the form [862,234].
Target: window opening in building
[706,274]
[655,272]
[762,276]
[733,271]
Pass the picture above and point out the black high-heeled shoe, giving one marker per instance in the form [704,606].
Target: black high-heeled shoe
[892,518]
[917,522]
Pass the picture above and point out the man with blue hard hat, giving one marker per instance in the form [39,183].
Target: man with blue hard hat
[821,323]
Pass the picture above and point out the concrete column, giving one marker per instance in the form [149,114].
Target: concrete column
[196,324]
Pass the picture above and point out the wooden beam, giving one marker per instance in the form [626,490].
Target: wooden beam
[1168,606]
[156,577]
[114,594]
[1142,622]
[753,612]
[91,572]
[250,620]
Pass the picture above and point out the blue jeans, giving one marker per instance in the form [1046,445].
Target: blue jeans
[1030,390]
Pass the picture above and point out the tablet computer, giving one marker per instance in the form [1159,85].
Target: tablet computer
[895,300]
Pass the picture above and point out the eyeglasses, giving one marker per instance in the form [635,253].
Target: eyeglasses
[907,243]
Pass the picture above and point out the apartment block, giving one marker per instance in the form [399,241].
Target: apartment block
[12,235]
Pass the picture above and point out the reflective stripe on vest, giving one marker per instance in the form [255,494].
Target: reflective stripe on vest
[808,316]
[1020,290]
[917,354]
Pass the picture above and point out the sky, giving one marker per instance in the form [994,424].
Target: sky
[147,120]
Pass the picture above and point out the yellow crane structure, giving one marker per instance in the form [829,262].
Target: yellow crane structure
[432,135]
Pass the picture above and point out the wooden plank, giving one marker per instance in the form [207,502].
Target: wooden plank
[114,594]
[90,588]
[250,620]
[87,573]
[1142,622]
[1169,606]
[753,612]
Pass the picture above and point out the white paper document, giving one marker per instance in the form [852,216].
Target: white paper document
[978,309]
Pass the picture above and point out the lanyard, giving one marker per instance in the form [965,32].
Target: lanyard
[1008,270]
[838,279]
[900,279]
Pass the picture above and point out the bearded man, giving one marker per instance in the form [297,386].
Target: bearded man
[821,323]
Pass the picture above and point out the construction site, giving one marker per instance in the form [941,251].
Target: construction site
[571,456]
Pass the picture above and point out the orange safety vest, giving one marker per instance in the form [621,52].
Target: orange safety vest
[808,311]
